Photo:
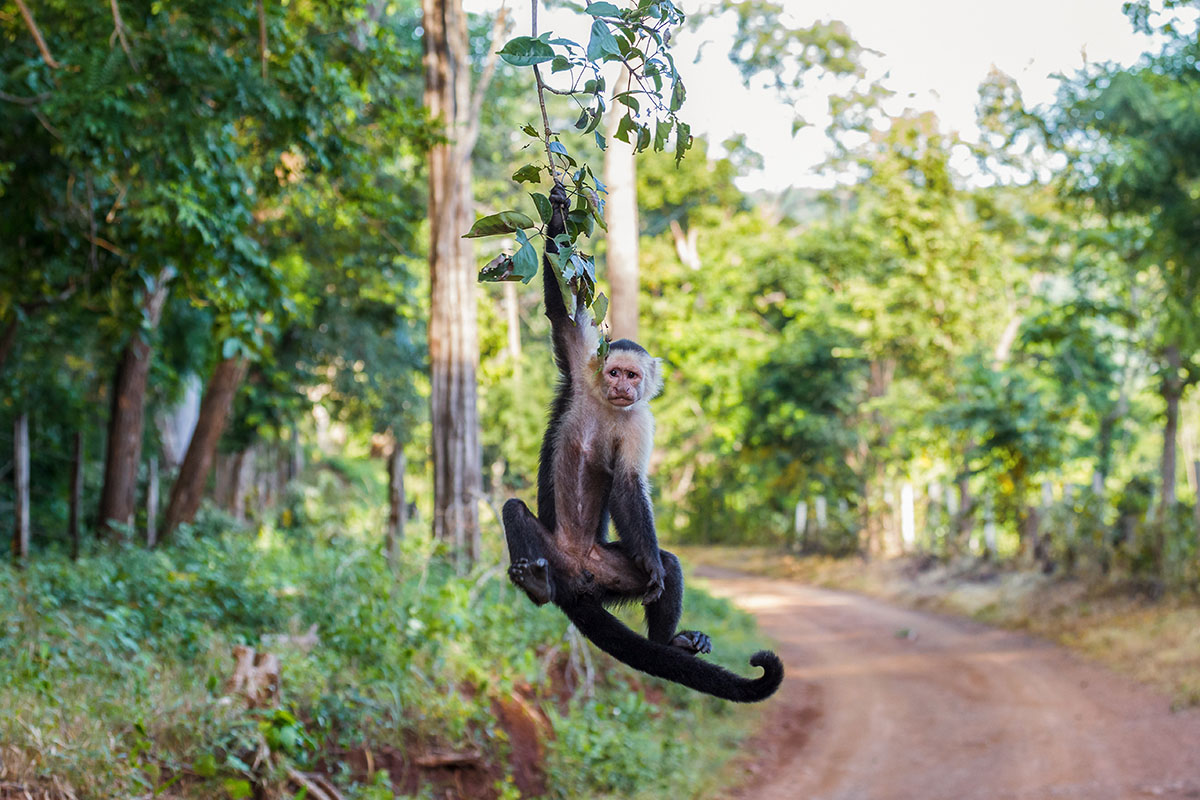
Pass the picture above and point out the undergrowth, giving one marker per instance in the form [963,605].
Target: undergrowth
[113,671]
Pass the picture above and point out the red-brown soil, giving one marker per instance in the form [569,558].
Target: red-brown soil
[882,703]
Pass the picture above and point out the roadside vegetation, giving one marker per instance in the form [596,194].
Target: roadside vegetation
[115,674]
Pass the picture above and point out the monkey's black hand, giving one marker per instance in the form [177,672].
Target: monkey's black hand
[558,198]
[654,568]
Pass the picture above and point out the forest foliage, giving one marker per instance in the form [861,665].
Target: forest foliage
[214,217]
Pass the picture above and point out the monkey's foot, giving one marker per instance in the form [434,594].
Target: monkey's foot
[693,642]
[534,578]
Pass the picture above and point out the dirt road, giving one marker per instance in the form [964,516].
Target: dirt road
[881,703]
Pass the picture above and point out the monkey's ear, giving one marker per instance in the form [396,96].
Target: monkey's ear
[654,375]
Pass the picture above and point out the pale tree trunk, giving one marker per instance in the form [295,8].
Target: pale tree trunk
[453,340]
[118,497]
[621,216]
[152,501]
[1172,390]
[881,539]
[513,316]
[396,501]
[214,410]
[76,502]
[21,487]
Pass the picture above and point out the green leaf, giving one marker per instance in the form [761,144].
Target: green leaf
[504,222]
[683,140]
[525,262]
[499,268]
[582,122]
[543,206]
[603,9]
[560,64]
[623,128]
[525,51]
[530,173]
[602,42]
[557,147]
[627,99]
[662,131]
[600,142]
[678,95]
[599,308]
[529,130]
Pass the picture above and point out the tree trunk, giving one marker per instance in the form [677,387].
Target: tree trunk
[453,343]
[118,496]
[152,501]
[621,215]
[396,503]
[76,502]
[21,487]
[1172,390]
[966,514]
[214,410]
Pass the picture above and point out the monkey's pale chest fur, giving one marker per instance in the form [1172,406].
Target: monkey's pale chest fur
[593,443]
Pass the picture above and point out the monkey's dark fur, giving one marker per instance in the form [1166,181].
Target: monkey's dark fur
[593,464]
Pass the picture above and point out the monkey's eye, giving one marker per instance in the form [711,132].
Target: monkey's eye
[614,372]
[633,376]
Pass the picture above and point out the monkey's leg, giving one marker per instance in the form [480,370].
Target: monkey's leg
[662,616]
[526,550]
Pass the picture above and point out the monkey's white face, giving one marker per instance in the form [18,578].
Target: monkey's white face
[624,379]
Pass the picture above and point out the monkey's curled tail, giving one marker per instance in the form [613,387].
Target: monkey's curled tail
[663,661]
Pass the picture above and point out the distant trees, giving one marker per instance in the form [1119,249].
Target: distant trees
[155,168]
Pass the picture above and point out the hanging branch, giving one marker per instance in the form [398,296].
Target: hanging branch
[541,93]
[37,36]
[119,33]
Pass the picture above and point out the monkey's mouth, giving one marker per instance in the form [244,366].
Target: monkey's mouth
[621,401]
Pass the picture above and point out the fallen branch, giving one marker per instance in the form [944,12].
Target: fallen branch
[318,788]
[449,758]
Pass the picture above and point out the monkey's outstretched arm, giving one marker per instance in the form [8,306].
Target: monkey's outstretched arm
[574,337]
[633,517]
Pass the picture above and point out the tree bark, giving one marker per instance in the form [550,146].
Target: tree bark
[453,338]
[126,420]
[21,487]
[621,216]
[214,411]
[76,505]
[396,501]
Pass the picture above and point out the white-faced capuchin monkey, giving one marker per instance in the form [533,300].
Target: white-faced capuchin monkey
[593,465]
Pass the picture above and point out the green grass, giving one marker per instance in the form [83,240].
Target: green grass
[113,668]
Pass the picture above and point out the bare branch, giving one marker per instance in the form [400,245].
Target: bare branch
[37,36]
[25,101]
[499,29]
[541,93]
[119,33]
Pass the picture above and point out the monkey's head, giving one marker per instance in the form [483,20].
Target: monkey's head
[630,375]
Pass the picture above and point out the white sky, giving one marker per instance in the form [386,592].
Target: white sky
[935,52]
